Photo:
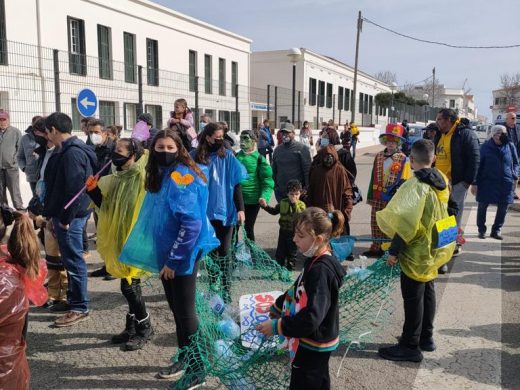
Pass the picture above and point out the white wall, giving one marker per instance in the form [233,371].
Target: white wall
[176,35]
[275,68]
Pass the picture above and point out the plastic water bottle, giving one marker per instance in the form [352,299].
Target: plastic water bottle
[232,312]
[217,304]
[229,328]
[241,384]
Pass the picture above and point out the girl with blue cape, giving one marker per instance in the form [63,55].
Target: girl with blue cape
[171,235]
[225,203]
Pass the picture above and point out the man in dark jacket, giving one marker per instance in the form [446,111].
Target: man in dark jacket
[458,156]
[103,145]
[64,178]
[291,160]
[26,156]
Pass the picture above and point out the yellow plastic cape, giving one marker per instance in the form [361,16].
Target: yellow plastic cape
[412,213]
[123,193]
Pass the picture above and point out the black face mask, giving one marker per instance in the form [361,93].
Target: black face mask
[42,141]
[119,160]
[216,145]
[504,139]
[166,159]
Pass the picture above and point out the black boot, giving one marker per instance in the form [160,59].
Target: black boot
[143,333]
[126,334]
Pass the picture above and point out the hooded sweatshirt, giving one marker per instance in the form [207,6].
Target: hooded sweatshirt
[317,324]
[65,175]
[329,187]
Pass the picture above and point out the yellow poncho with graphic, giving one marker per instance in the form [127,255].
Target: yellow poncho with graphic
[123,193]
[412,214]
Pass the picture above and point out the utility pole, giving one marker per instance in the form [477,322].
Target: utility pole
[354,89]
[433,87]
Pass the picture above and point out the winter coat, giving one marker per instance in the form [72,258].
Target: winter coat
[260,182]
[26,157]
[497,170]
[9,144]
[465,154]
[290,161]
[330,187]
[64,177]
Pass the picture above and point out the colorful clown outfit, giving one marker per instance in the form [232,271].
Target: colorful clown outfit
[389,171]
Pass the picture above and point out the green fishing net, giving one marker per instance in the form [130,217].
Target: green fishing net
[234,294]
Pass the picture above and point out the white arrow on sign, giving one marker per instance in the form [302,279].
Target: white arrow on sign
[85,102]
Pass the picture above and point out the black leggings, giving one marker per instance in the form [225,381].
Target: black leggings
[225,265]
[134,297]
[251,211]
[310,370]
[180,294]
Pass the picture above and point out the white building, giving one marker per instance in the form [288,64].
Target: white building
[505,101]
[325,88]
[108,46]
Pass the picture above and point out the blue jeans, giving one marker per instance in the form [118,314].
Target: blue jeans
[71,247]
[500,217]
[353,144]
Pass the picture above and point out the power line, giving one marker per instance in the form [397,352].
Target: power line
[439,43]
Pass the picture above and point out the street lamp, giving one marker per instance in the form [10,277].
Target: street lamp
[294,55]
[425,98]
[393,87]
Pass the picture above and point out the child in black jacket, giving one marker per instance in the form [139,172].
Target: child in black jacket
[308,313]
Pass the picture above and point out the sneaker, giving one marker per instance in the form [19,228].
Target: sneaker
[496,236]
[71,318]
[427,345]
[108,277]
[443,269]
[482,236]
[101,272]
[173,371]
[60,307]
[49,303]
[401,353]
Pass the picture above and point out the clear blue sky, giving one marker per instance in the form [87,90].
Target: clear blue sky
[329,27]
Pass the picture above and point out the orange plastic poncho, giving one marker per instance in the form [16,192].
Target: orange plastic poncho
[16,290]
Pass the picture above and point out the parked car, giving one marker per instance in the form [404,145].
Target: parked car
[415,133]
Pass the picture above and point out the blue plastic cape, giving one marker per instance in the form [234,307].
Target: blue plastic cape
[224,174]
[172,227]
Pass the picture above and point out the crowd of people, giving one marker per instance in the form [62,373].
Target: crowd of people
[163,199]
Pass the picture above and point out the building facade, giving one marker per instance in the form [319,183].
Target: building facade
[505,101]
[135,55]
[323,89]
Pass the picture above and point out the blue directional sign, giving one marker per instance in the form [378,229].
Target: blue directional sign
[86,102]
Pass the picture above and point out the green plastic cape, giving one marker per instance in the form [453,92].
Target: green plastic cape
[412,213]
[123,193]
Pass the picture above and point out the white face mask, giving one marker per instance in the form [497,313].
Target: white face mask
[311,251]
[96,138]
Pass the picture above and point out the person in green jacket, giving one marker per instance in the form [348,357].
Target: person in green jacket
[259,184]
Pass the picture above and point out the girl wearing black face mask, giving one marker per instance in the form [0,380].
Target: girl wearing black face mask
[171,234]
[118,198]
[225,204]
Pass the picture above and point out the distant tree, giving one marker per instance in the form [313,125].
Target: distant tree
[510,89]
[386,77]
